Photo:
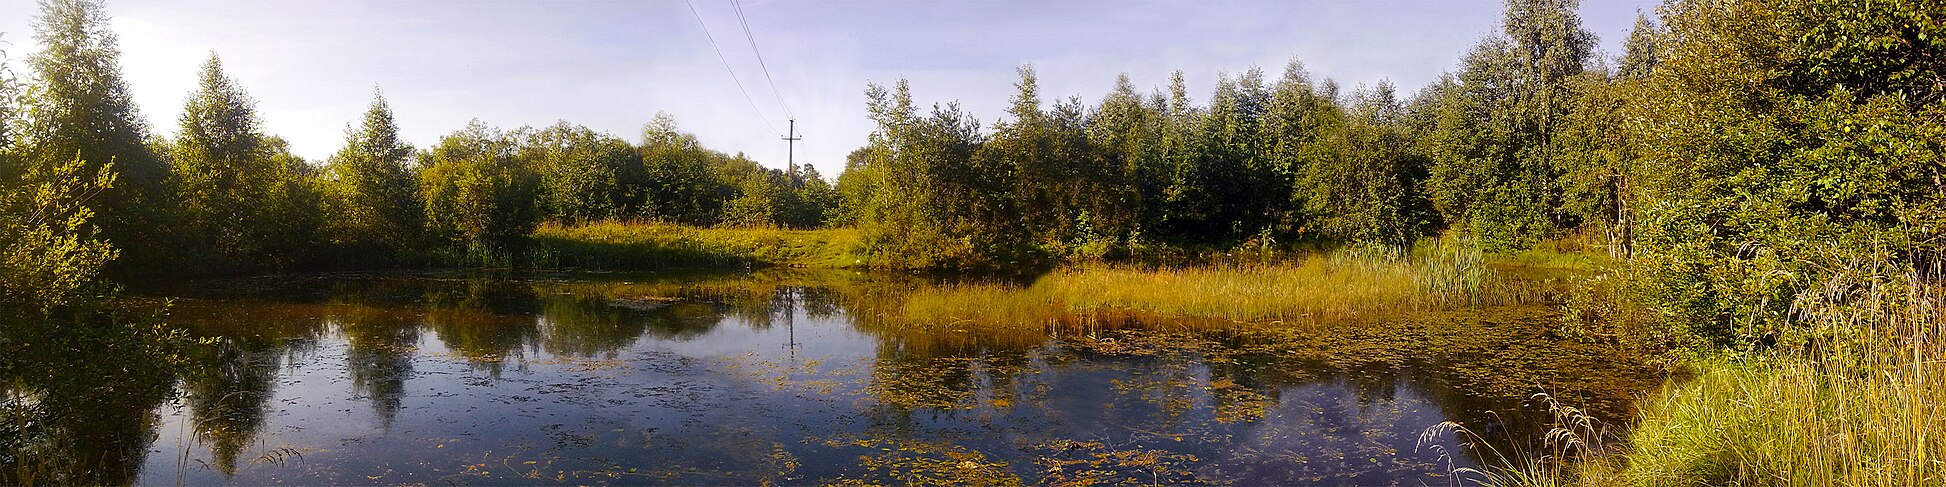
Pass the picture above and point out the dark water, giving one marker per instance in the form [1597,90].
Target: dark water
[794,379]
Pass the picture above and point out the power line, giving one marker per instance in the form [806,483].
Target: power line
[760,58]
[733,73]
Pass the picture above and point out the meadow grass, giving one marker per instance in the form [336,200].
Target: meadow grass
[610,245]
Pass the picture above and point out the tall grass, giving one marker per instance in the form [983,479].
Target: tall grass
[1855,394]
[1348,284]
[1861,400]
[1574,439]
[611,245]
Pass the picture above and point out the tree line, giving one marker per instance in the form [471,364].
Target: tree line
[88,182]
[1500,149]
[1738,153]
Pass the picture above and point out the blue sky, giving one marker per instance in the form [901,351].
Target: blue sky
[612,65]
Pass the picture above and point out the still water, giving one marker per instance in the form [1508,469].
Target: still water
[801,378]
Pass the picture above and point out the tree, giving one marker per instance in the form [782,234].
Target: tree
[10,95]
[1046,164]
[858,184]
[221,172]
[814,202]
[79,108]
[585,175]
[1494,142]
[479,198]
[373,198]
[49,253]
[937,191]
[46,230]
[291,218]
[1362,182]
[1123,131]
[1296,122]
[680,185]
[1642,52]
[758,202]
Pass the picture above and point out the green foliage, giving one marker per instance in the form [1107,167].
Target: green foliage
[1259,165]
[79,108]
[61,345]
[51,256]
[241,195]
[372,197]
[1775,171]
[479,199]
[929,192]
[681,184]
[647,245]
[1496,123]
[1358,174]
[1597,158]
[290,220]
[584,175]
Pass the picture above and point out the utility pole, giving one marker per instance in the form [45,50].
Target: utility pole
[791,153]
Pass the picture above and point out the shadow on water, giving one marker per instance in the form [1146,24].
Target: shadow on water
[768,377]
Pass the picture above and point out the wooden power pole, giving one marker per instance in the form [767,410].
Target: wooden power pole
[790,153]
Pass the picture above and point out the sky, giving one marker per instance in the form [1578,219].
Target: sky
[312,66]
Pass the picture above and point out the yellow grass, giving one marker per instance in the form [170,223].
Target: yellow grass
[1344,285]
[653,245]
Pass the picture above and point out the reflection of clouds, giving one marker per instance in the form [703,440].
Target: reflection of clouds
[1333,432]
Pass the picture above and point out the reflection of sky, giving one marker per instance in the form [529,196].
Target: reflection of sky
[716,406]
[613,65]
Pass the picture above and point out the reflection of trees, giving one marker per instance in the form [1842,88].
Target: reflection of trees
[820,302]
[485,340]
[80,398]
[586,326]
[228,384]
[485,322]
[682,321]
[379,345]
[228,387]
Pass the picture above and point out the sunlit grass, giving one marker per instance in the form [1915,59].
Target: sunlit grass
[655,245]
[1348,284]
[1865,406]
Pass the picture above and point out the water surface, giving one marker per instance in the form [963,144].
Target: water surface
[801,378]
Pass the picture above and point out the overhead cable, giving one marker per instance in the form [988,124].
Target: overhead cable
[760,58]
[726,67]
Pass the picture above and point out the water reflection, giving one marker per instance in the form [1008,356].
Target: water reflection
[784,378]
[81,400]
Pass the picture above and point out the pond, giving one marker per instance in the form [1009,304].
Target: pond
[804,378]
